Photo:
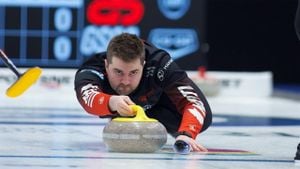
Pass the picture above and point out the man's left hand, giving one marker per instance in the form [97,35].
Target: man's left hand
[194,145]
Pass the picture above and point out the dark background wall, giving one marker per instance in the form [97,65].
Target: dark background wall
[254,35]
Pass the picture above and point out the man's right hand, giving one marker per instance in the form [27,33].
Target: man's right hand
[121,104]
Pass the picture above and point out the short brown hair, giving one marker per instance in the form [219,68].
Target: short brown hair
[127,47]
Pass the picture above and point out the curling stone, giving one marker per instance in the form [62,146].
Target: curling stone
[138,134]
[209,86]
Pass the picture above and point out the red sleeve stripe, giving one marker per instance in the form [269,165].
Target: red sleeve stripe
[94,101]
[192,120]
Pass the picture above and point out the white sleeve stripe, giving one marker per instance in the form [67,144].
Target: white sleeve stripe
[197,115]
[201,109]
[91,99]
[89,92]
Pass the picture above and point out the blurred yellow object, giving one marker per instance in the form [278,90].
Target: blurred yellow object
[140,116]
[24,82]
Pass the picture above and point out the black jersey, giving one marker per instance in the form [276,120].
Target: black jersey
[163,83]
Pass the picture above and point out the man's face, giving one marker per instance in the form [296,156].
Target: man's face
[124,77]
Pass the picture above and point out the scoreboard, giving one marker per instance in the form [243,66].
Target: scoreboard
[63,33]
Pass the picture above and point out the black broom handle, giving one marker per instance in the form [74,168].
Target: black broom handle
[9,64]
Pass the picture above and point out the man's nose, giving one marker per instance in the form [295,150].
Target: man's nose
[125,80]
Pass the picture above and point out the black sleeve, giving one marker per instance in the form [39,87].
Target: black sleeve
[178,86]
[91,71]
[297,20]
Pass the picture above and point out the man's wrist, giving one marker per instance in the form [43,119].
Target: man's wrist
[183,133]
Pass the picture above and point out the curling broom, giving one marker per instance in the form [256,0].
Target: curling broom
[24,80]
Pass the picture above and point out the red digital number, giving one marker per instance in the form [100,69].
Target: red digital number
[115,12]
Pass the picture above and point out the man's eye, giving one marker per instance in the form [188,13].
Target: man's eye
[133,73]
[118,72]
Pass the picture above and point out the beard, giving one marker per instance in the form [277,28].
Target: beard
[124,89]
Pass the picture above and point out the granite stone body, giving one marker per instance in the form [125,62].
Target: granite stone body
[134,136]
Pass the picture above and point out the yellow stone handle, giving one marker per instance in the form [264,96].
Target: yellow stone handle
[139,117]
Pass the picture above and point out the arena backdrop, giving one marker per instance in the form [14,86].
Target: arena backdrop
[224,35]
[63,33]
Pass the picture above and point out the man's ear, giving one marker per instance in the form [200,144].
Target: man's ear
[106,63]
